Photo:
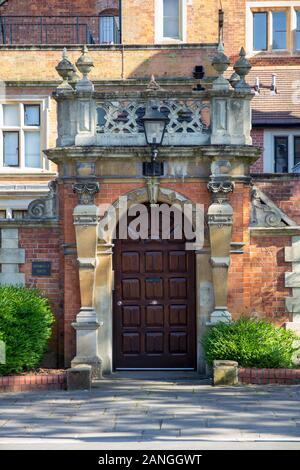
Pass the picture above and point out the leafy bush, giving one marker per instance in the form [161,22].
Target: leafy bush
[252,343]
[25,324]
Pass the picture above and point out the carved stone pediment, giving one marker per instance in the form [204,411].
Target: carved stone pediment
[265,213]
[45,207]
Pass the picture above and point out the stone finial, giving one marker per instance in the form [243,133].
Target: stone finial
[85,65]
[153,85]
[221,63]
[242,67]
[234,79]
[65,70]
[74,77]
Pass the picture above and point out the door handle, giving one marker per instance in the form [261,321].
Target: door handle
[120,303]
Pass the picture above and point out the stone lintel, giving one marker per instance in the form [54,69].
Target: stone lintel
[286,231]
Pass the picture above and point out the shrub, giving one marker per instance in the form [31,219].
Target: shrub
[252,343]
[25,324]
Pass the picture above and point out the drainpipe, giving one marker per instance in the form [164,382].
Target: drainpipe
[120,20]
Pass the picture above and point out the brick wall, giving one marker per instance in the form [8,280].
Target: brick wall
[251,375]
[258,141]
[56,7]
[44,244]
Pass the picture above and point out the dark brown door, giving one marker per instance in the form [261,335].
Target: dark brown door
[154,305]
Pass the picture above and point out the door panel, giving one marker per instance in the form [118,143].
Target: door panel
[154,305]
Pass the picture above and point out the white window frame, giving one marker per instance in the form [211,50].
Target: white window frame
[159,23]
[44,103]
[293,6]
[269,148]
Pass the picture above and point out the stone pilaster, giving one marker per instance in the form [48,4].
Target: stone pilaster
[220,220]
[86,216]
[292,279]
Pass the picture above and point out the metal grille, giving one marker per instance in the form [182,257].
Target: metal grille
[36,30]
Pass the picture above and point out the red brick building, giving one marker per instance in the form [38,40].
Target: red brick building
[166,306]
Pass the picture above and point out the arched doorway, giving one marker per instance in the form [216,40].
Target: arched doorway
[154,311]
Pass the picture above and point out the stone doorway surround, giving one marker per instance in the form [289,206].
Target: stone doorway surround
[94,323]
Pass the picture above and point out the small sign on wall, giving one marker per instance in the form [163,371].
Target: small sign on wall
[41,268]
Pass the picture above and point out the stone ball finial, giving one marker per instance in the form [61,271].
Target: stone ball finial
[220,63]
[85,62]
[242,67]
[65,69]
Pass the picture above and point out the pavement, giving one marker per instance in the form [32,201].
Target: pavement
[128,412]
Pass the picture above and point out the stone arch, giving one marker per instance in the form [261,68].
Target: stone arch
[137,196]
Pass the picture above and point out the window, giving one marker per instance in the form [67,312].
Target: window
[281,156]
[272,28]
[279,30]
[19,214]
[15,214]
[296,150]
[282,151]
[170,21]
[297,32]
[21,136]
[11,148]
[260,38]
[171,17]
[109,30]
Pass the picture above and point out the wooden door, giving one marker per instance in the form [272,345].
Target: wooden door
[154,305]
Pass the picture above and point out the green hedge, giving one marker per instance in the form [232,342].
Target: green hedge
[25,324]
[252,343]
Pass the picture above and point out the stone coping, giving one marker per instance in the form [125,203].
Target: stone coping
[107,47]
[22,383]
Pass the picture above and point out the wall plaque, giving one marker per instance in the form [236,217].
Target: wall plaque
[41,268]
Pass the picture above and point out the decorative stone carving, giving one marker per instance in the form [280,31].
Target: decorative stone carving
[221,63]
[84,65]
[119,121]
[65,69]
[86,192]
[153,85]
[153,189]
[45,207]
[242,67]
[264,213]
[220,189]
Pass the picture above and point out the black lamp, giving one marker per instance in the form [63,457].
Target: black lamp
[154,123]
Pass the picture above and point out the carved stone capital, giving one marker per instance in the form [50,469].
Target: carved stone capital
[220,188]
[86,192]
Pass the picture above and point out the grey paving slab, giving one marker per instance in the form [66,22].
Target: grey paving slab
[157,411]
